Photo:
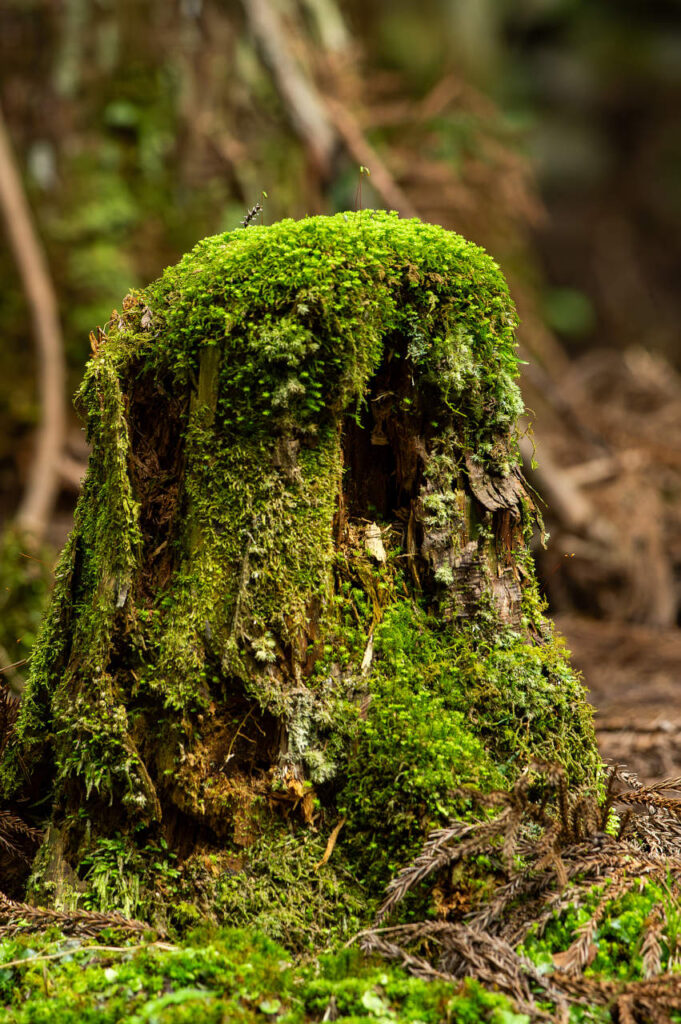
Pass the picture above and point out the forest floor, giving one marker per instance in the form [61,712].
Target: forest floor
[633,673]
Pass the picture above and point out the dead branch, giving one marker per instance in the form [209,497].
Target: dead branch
[304,106]
[17,918]
[329,24]
[323,123]
[647,849]
[43,480]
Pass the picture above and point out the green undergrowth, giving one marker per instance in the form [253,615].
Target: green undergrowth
[619,933]
[131,878]
[278,886]
[228,975]
[287,894]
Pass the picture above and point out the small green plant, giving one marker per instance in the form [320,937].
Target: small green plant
[123,876]
[364,172]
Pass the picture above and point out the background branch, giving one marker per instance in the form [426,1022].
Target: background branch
[303,104]
[43,479]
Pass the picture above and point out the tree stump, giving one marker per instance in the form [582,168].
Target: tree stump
[299,592]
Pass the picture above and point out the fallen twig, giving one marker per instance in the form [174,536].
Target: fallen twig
[331,843]
[71,951]
[16,918]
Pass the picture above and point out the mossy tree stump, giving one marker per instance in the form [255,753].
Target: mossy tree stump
[299,583]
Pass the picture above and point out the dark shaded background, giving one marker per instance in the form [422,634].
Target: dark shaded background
[545,130]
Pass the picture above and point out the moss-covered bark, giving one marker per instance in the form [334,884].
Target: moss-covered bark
[299,583]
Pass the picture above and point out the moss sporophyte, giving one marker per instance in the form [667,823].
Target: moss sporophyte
[298,586]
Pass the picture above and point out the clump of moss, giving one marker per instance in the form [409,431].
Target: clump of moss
[288,894]
[449,710]
[224,975]
[306,308]
[414,748]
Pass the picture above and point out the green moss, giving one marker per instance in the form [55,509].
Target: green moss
[414,748]
[227,975]
[278,885]
[301,313]
[25,583]
[285,892]
[619,934]
[448,710]
[306,308]
[46,661]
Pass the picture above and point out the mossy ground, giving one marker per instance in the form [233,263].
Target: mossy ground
[619,936]
[240,975]
[225,976]
[618,942]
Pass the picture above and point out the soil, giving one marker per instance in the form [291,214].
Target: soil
[633,673]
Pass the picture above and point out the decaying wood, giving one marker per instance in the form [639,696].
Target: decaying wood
[494,492]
